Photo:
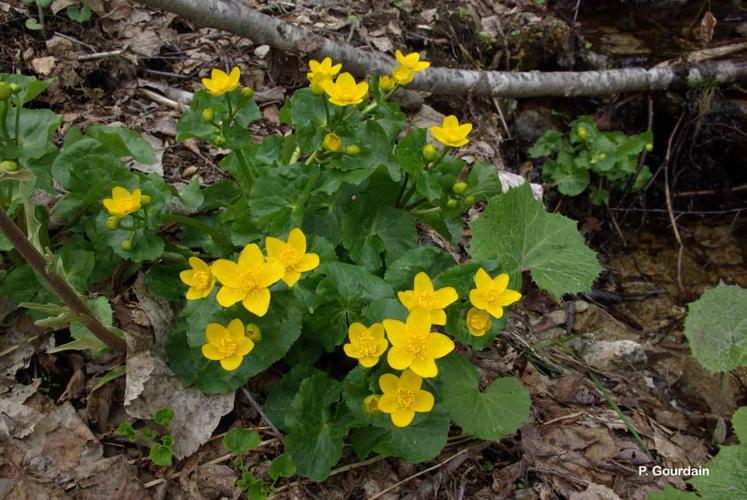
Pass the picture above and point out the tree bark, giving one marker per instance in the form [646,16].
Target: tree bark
[235,17]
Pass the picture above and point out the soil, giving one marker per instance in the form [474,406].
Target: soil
[577,445]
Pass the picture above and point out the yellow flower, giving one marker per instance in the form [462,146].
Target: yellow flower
[402,76]
[247,281]
[371,404]
[414,345]
[200,279]
[386,83]
[332,142]
[411,61]
[403,397]
[321,72]
[227,345]
[422,296]
[478,322]
[292,256]
[345,91]
[123,202]
[219,82]
[451,133]
[366,344]
[253,332]
[492,294]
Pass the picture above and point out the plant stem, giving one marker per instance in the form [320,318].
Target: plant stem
[433,210]
[246,173]
[63,289]
[3,119]
[438,160]
[18,119]
[408,194]
[294,157]
[201,226]
[402,190]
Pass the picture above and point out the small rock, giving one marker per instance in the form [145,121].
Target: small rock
[189,171]
[605,355]
[531,124]
[59,47]
[580,306]
[262,51]
[44,65]
[558,317]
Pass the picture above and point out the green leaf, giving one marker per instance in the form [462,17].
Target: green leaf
[716,328]
[164,417]
[241,440]
[493,414]
[79,13]
[739,422]
[315,439]
[78,265]
[727,478]
[123,142]
[409,152]
[368,231]
[670,493]
[277,204]
[342,295]
[306,112]
[401,272]
[546,145]
[516,230]
[456,326]
[160,455]
[163,280]
[282,466]
[84,339]
[483,181]
[191,195]
[420,441]
[30,86]
[281,395]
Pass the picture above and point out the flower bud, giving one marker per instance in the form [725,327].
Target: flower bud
[452,203]
[602,156]
[219,140]
[126,245]
[208,115]
[581,132]
[332,142]
[386,83]
[469,200]
[112,222]
[649,147]
[253,332]
[371,404]
[459,188]
[8,166]
[15,88]
[430,152]
[247,92]
[145,199]
[5,91]
[353,150]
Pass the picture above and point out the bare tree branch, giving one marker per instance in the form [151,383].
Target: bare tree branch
[235,17]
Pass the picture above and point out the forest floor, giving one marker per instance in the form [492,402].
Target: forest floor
[587,360]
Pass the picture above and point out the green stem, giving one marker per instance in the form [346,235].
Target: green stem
[369,108]
[407,195]
[326,113]
[294,157]
[18,119]
[246,173]
[311,158]
[201,226]
[433,210]
[4,119]
[402,190]
[438,160]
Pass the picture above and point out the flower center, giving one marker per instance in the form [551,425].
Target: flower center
[290,257]
[201,280]
[426,300]
[492,295]
[416,344]
[226,346]
[405,398]
[249,281]
[367,346]
[479,322]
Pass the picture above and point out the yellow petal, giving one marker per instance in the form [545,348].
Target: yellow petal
[137,197]
[464,129]
[398,358]
[388,383]
[198,264]
[409,380]
[426,368]
[251,256]
[356,331]
[270,273]
[110,205]
[407,298]
[308,262]
[478,300]
[118,192]
[509,297]
[402,418]
[439,345]
[211,352]
[422,283]
[445,296]
[234,76]
[244,346]
[231,363]
[377,330]
[387,403]
[228,296]
[227,272]
[422,65]
[482,279]
[186,276]
[218,75]
[368,362]
[438,317]
[258,302]
[290,278]
[274,246]
[314,66]
[418,322]
[395,331]
[451,122]
[495,310]
[351,351]
[501,282]
[215,332]
[381,346]
[297,240]
[236,329]
[438,134]
[197,293]
[400,57]
[423,401]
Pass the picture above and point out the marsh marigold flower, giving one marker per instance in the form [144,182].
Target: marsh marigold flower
[451,133]
[366,344]
[200,279]
[386,83]
[219,82]
[414,345]
[411,61]
[123,202]
[292,256]
[248,280]
[492,294]
[371,404]
[402,76]
[424,297]
[344,91]
[320,73]
[478,322]
[332,142]
[403,397]
[228,345]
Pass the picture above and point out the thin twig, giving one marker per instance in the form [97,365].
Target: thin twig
[257,407]
[670,210]
[100,55]
[63,289]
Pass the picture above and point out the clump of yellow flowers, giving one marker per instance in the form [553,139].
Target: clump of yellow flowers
[124,203]
[413,348]
[247,280]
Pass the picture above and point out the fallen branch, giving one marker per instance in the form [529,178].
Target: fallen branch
[236,17]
